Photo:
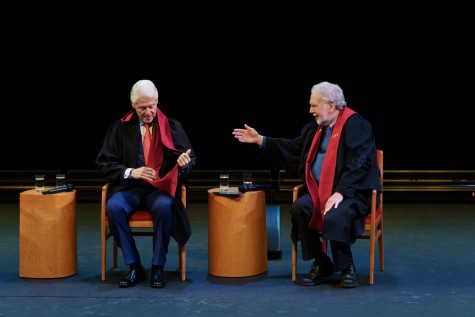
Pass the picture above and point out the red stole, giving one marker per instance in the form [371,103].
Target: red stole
[161,138]
[320,194]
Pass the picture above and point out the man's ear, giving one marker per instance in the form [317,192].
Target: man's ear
[332,105]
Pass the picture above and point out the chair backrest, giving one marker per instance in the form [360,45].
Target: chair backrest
[379,157]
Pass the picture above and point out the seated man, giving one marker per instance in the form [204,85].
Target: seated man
[335,155]
[145,156]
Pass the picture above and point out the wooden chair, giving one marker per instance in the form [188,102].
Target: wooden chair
[139,219]
[373,227]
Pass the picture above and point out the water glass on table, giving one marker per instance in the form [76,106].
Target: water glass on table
[60,180]
[39,182]
[247,179]
[223,182]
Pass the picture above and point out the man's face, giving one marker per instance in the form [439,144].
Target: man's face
[321,109]
[146,108]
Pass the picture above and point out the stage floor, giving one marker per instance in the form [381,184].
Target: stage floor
[429,261]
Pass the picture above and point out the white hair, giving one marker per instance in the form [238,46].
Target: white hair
[143,88]
[331,92]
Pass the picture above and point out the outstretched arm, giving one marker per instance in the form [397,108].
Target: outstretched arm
[248,135]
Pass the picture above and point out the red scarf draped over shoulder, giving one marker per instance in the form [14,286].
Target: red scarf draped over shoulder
[161,138]
[320,194]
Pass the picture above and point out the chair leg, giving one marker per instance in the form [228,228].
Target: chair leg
[103,254]
[371,257]
[381,248]
[294,261]
[182,260]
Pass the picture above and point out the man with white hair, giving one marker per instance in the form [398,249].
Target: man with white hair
[145,156]
[335,155]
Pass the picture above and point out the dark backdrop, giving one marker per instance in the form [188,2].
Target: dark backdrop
[62,90]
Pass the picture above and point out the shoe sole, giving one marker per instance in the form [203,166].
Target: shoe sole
[131,285]
[142,279]
[320,281]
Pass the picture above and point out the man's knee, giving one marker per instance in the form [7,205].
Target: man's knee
[114,208]
[295,211]
[301,211]
[332,218]
[163,205]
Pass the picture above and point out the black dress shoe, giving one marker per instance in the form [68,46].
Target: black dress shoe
[348,277]
[157,280]
[320,269]
[136,275]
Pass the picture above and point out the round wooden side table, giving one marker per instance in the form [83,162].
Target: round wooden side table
[48,239]
[237,239]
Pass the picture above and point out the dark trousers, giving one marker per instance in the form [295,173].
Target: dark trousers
[122,204]
[310,239]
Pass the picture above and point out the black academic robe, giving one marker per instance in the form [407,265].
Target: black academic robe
[356,171]
[121,147]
